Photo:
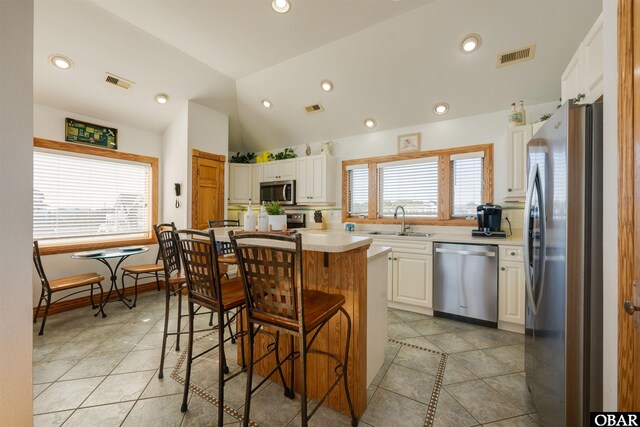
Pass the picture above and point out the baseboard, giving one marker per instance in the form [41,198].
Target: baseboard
[409,307]
[72,304]
[511,327]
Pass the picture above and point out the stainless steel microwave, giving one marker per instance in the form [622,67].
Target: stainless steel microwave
[278,191]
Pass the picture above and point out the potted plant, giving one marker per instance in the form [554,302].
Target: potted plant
[277,216]
[318,220]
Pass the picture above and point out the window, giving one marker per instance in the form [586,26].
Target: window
[438,187]
[90,196]
[412,184]
[467,183]
[358,185]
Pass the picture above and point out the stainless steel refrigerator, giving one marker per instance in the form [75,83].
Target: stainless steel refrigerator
[563,266]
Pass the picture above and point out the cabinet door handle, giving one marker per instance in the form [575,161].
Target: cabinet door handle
[513,254]
[509,190]
[389,258]
[502,268]
[395,259]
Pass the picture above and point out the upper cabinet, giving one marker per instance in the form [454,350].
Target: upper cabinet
[280,170]
[239,183]
[517,139]
[257,176]
[582,79]
[316,180]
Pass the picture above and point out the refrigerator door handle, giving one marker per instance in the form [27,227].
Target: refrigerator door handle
[526,236]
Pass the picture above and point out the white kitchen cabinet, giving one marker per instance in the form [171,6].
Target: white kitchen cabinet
[412,278]
[279,170]
[516,183]
[315,180]
[239,183]
[511,289]
[257,172]
[582,79]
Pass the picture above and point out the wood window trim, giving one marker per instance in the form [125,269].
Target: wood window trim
[444,188]
[101,152]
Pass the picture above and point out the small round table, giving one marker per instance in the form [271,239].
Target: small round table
[108,254]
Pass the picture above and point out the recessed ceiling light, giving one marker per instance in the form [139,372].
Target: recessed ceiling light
[281,6]
[441,108]
[470,43]
[266,104]
[326,85]
[370,123]
[61,62]
[162,98]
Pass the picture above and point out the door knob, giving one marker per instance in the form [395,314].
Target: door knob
[630,308]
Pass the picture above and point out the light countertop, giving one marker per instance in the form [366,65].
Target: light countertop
[514,240]
[377,251]
[314,240]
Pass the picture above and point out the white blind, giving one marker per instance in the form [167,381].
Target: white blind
[467,185]
[87,197]
[413,185]
[358,188]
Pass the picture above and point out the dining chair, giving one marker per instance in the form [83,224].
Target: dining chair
[49,287]
[276,298]
[142,272]
[207,289]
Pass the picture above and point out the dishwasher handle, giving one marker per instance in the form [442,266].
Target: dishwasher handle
[471,253]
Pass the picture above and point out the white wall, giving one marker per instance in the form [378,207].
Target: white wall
[480,129]
[16,183]
[610,216]
[49,123]
[174,169]
[209,132]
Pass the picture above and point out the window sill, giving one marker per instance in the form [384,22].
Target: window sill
[461,222]
[77,247]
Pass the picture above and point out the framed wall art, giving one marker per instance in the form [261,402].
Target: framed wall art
[409,143]
[89,133]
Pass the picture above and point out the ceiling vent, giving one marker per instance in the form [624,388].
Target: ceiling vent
[315,108]
[118,81]
[518,55]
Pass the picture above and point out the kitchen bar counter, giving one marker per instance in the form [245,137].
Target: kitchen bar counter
[332,263]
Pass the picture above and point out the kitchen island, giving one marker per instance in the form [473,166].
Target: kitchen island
[337,264]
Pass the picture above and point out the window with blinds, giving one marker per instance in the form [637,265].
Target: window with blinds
[412,184]
[358,191]
[86,198]
[466,183]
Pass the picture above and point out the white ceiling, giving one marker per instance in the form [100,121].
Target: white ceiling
[391,60]
[240,37]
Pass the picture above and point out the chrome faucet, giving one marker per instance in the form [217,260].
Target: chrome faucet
[403,227]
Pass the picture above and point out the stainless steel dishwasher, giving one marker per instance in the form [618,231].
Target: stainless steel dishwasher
[465,282]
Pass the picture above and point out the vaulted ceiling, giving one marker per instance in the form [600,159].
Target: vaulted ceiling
[390,60]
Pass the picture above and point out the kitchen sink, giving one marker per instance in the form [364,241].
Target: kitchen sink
[406,234]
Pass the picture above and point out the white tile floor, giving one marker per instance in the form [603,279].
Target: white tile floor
[92,371]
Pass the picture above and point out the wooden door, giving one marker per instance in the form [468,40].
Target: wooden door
[207,200]
[629,205]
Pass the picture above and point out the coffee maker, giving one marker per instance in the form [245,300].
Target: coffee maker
[489,219]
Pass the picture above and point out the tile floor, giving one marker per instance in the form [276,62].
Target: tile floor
[93,371]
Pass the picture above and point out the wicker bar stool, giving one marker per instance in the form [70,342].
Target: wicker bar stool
[276,298]
[207,289]
[174,282]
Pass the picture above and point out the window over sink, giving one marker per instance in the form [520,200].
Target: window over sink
[439,187]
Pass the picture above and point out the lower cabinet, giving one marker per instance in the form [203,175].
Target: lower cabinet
[511,292]
[409,274]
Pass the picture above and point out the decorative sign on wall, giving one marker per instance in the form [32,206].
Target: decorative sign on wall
[89,133]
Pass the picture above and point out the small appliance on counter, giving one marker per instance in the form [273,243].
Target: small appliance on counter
[296,220]
[489,219]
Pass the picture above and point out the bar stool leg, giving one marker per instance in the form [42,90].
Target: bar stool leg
[303,388]
[247,399]
[354,420]
[157,281]
[167,296]
[46,312]
[222,366]
[35,316]
[179,317]
[289,392]
[93,304]
[187,381]
[233,340]
[135,290]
